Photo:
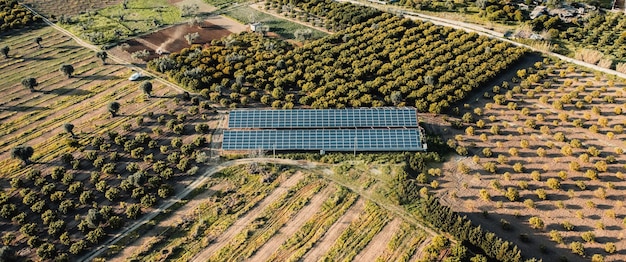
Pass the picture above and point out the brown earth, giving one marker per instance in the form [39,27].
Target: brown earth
[172,39]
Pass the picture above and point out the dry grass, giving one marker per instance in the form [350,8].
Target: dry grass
[606,63]
[589,56]
[621,67]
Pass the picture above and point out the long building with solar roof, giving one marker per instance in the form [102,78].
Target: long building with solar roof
[324,130]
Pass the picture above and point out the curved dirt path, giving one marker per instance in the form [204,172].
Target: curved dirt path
[332,234]
[378,244]
[236,227]
[263,253]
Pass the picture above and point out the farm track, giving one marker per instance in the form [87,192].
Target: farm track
[236,227]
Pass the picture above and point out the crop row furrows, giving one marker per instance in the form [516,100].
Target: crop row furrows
[53,147]
[34,69]
[39,98]
[254,235]
[36,72]
[403,244]
[57,121]
[21,40]
[66,101]
[359,233]
[19,62]
[313,229]
[49,43]
[215,216]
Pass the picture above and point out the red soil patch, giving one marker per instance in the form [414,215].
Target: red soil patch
[172,39]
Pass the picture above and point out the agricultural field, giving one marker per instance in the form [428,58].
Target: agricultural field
[547,162]
[104,149]
[175,38]
[116,22]
[277,26]
[52,9]
[288,214]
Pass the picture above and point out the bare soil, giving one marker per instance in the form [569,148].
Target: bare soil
[291,227]
[172,39]
[328,240]
[236,227]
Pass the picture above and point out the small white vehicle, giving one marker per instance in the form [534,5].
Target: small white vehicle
[135,76]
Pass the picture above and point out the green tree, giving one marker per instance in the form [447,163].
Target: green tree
[588,236]
[103,56]
[536,222]
[29,83]
[512,194]
[132,211]
[5,51]
[46,251]
[23,152]
[38,41]
[146,88]
[67,70]
[114,107]
[577,248]
[78,247]
[69,128]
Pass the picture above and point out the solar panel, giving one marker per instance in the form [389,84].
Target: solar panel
[323,118]
[324,139]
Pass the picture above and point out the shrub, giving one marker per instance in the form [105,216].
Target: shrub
[536,222]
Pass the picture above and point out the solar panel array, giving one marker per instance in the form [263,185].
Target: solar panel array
[323,118]
[324,139]
[381,129]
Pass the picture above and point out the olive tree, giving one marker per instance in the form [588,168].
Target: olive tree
[5,51]
[69,128]
[30,83]
[114,107]
[146,87]
[38,41]
[103,56]
[23,152]
[67,70]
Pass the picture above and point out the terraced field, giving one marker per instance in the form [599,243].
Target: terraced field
[288,216]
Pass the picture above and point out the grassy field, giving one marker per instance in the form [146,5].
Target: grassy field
[114,23]
[282,27]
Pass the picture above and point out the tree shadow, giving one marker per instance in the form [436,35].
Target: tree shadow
[37,58]
[68,91]
[22,108]
[99,77]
